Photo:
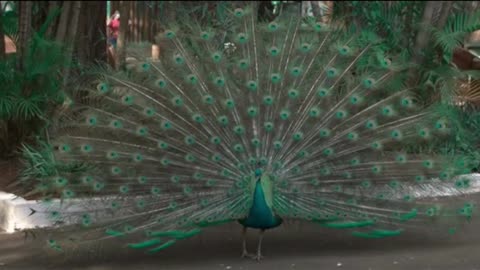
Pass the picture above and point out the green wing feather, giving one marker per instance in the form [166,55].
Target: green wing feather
[268,190]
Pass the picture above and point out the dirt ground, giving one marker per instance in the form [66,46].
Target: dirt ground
[302,247]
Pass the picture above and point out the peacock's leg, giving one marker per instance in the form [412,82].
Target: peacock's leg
[244,245]
[259,256]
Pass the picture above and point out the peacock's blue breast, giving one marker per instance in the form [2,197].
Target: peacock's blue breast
[260,215]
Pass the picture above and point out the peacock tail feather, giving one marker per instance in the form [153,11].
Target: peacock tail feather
[172,146]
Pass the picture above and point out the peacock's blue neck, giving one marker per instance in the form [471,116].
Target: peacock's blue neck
[260,215]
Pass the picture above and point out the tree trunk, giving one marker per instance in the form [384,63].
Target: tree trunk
[141,19]
[73,24]
[84,33]
[146,21]
[131,26]
[169,12]
[153,23]
[39,13]
[52,5]
[100,33]
[63,22]
[139,16]
[422,38]
[91,35]
[120,53]
[24,32]
[446,10]
[135,21]
[76,8]
[2,39]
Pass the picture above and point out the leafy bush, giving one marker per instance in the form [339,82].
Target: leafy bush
[28,97]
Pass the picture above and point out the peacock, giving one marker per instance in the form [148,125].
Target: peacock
[294,120]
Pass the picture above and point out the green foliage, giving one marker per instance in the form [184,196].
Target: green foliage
[40,166]
[41,162]
[399,23]
[10,23]
[457,28]
[463,138]
[393,21]
[29,97]
[212,13]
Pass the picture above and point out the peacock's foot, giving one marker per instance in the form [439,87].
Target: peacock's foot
[258,257]
[245,254]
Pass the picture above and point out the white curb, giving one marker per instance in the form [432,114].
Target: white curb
[15,211]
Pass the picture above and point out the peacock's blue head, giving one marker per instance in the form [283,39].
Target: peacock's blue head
[258,172]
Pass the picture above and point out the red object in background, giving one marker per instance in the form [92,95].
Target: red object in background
[114,26]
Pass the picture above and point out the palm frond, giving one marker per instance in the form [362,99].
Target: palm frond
[456,30]
[467,92]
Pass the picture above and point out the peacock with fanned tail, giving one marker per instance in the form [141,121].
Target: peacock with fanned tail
[299,121]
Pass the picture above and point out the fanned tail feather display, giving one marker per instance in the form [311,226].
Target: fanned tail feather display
[172,146]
